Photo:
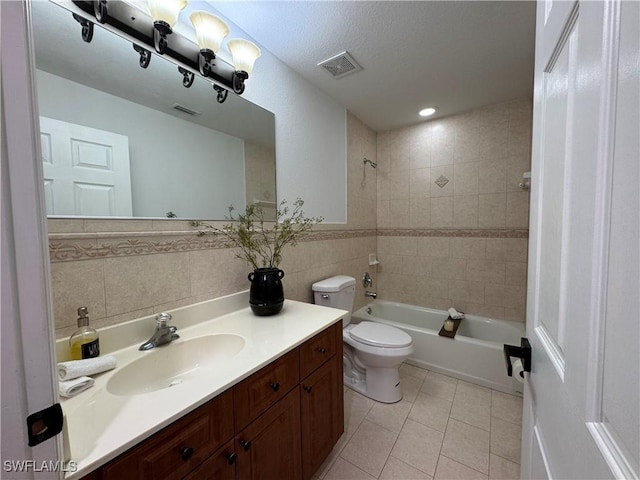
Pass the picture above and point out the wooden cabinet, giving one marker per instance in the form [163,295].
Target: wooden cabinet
[321,399]
[179,448]
[279,423]
[219,466]
[269,448]
[255,394]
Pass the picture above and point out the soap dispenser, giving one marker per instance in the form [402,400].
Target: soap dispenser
[84,343]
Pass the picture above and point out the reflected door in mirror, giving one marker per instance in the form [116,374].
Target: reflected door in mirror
[86,170]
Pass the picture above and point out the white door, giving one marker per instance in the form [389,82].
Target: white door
[582,399]
[86,171]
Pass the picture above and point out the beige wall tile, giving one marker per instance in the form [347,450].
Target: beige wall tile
[492,210]
[508,296]
[420,183]
[466,291]
[399,214]
[230,273]
[399,185]
[465,211]
[65,225]
[442,212]
[449,268]
[516,273]
[417,266]
[465,179]
[507,249]
[77,284]
[132,225]
[492,176]
[469,247]
[517,215]
[433,247]
[142,281]
[420,212]
[383,218]
[486,271]
[390,263]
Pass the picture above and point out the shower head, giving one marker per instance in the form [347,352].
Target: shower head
[373,164]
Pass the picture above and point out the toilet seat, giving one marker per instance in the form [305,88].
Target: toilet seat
[379,335]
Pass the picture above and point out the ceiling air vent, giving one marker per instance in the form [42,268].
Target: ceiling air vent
[340,65]
[183,109]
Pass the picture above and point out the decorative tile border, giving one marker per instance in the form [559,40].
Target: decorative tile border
[86,246]
[455,232]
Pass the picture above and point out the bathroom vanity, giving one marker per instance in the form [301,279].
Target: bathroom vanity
[279,418]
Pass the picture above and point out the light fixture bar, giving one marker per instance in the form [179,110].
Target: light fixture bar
[137,26]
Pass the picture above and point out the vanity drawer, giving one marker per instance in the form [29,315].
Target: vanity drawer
[317,350]
[179,448]
[257,393]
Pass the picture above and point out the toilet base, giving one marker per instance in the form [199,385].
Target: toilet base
[379,384]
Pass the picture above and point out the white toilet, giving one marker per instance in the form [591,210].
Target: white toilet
[373,351]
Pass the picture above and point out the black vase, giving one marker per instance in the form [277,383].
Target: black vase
[266,295]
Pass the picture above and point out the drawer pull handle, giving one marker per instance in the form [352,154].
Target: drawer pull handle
[322,350]
[307,388]
[186,453]
[275,386]
[231,458]
[246,444]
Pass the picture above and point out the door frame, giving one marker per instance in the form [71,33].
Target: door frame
[28,356]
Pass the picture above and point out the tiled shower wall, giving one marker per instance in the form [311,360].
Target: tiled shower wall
[126,269]
[452,220]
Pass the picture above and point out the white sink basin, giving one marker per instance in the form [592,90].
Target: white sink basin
[170,365]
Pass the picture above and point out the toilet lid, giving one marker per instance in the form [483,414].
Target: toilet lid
[379,335]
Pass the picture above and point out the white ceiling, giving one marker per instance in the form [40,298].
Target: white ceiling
[454,55]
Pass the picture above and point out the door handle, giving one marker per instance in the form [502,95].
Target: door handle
[522,352]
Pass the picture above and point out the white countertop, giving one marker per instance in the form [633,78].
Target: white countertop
[101,425]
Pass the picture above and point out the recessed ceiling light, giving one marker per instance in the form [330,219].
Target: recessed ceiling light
[427,112]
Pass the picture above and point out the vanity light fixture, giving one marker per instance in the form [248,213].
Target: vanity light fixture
[149,29]
[165,15]
[210,31]
[245,54]
[427,112]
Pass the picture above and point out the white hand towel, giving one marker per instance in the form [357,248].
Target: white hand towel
[73,387]
[90,366]
[456,315]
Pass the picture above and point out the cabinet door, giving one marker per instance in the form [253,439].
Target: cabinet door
[257,393]
[319,415]
[179,448]
[317,350]
[269,448]
[219,466]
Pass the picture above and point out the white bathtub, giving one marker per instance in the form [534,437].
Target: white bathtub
[474,355]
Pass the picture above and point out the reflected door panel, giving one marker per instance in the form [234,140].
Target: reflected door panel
[86,170]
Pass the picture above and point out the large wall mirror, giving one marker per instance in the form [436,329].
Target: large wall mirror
[122,141]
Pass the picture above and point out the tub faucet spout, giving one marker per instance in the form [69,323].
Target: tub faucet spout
[370,294]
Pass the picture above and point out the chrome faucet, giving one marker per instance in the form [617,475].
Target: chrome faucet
[370,294]
[164,333]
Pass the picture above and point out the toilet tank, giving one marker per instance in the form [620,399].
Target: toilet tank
[336,292]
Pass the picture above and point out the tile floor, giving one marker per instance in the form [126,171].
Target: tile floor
[443,428]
